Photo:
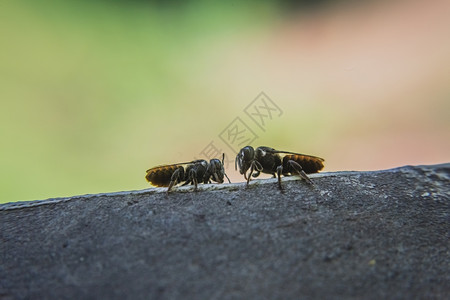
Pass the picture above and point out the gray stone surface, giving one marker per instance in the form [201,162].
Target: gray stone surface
[355,235]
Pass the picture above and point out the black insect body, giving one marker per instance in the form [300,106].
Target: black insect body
[194,172]
[245,160]
[215,171]
[271,161]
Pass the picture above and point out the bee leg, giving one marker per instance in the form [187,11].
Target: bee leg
[249,175]
[216,178]
[195,183]
[279,172]
[193,179]
[173,180]
[223,158]
[253,166]
[187,182]
[298,169]
[170,186]
[227,177]
[258,168]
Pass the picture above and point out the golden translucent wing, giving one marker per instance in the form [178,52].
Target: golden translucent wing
[160,176]
[310,164]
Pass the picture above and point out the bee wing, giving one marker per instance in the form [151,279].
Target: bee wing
[171,165]
[310,164]
[162,175]
[295,153]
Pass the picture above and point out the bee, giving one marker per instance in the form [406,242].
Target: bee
[270,161]
[193,172]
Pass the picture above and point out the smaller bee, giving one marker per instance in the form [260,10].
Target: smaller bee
[268,160]
[193,172]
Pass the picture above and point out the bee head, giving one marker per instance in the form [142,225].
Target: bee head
[216,171]
[244,159]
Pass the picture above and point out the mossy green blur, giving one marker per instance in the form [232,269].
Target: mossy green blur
[93,91]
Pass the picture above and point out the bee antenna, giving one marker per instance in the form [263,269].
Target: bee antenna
[226,177]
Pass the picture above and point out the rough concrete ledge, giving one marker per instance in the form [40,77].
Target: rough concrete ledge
[357,235]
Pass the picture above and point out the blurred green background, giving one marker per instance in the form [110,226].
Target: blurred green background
[93,93]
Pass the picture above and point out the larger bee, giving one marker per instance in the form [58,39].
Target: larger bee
[268,160]
[194,172]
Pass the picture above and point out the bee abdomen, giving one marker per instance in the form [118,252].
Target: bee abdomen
[309,164]
[160,176]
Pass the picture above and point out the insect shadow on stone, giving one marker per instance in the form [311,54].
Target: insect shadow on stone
[193,172]
[271,161]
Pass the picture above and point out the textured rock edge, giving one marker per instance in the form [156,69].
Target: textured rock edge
[210,187]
